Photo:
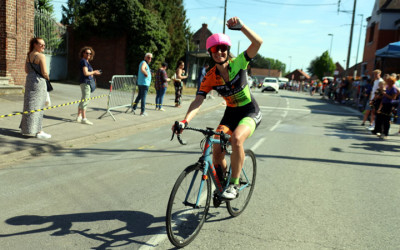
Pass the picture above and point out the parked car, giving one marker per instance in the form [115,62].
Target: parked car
[270,84]
[250,81]
[283,82]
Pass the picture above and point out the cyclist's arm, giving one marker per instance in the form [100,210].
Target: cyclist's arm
[194,107]
[255,39]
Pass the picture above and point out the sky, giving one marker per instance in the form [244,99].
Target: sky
[294,31]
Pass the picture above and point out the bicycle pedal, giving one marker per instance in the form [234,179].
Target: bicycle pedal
[216,201]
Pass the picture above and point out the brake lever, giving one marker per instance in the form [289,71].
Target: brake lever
[178,136]
[176,127]
[180,140]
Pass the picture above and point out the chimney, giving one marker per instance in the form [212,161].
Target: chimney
[204,26]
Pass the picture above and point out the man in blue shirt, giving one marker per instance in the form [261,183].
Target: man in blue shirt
[143,82]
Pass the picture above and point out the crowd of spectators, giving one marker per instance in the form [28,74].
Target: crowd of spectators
[377,97]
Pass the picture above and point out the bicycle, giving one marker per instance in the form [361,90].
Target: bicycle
[190,197]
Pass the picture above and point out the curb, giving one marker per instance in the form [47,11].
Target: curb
[19,156]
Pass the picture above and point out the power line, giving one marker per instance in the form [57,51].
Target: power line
[292,4]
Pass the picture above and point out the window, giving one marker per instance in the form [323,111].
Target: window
[371,33]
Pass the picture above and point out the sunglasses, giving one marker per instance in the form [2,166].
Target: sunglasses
[217,48]
[88,53]
[41,44]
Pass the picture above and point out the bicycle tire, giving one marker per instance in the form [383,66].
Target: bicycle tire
[247,176]
[184,221]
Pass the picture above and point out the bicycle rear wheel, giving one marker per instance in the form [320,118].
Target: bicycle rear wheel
[247,183]
[184,218]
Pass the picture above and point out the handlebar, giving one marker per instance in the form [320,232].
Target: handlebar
[208,132]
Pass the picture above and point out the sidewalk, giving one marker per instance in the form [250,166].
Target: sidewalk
[68,134]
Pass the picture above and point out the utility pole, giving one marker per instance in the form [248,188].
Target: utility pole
[223,29]
[351,36]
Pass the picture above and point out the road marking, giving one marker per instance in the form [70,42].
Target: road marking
[275,126]
[285,113]
[255,146]
[146,147]
[314,111]
[154,241]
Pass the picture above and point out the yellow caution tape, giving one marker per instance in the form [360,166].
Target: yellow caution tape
[52,107]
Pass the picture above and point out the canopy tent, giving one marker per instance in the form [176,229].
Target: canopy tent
[392,50]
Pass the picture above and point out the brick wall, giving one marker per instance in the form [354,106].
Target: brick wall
[110,56]
[381,39]
[16,29]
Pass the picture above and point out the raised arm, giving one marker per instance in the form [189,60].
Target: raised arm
[236,24]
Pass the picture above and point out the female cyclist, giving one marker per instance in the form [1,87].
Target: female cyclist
[229,78]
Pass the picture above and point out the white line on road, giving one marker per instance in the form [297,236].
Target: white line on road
[285,113]
[314,111]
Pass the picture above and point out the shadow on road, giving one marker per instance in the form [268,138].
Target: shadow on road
[339,162]
[137,225]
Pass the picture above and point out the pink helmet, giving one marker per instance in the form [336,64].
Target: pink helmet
[218,39]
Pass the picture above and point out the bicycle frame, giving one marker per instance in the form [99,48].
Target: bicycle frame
[206,161]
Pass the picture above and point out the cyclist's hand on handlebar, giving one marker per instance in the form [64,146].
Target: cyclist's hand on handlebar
[178,127]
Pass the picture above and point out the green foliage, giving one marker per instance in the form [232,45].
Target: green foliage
[70,12]
[44,5]
[322,66]
[47,28]
[267,63]
[157,26]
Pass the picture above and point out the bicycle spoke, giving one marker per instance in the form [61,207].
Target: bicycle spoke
[247,181]
[187,207]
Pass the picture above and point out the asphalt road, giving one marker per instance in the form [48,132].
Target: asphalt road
[322,183]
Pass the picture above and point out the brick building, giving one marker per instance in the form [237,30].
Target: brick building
[298,75]
[260,74]
[383,28]
[16,29]
[110,56]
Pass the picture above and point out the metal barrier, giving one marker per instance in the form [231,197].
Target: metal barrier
[122,91]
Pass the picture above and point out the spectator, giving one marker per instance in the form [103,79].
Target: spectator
[35,90]
[161,85]
[143,82]
[382,124]
[202,74]
[86,75]
[377,79]
[178,82]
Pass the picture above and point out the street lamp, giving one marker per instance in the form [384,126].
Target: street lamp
[290,63]
[359,38]
[330,50]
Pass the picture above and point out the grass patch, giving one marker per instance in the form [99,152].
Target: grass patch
[171,90]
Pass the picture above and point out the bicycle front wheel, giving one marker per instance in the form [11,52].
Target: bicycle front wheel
[247,182]
[188,206]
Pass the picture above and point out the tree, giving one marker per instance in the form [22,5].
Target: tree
[44,5]
[322,66]
[46,26]
[158,26]
[173,14]
[70,12]
[267,63]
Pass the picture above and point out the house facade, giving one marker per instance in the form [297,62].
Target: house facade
[298,75]
[16,29]
[383,28]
